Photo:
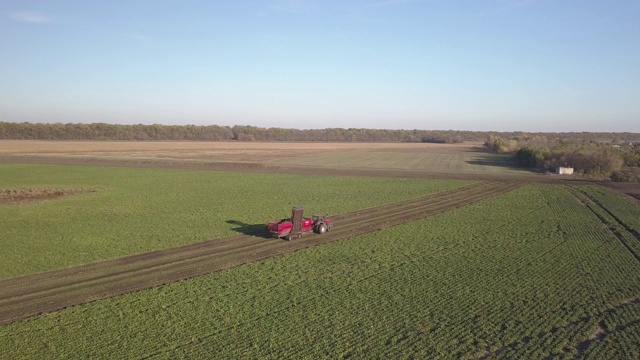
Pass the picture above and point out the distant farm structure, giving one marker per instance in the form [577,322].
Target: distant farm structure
[564,170]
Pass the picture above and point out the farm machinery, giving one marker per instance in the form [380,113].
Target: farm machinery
[295,226]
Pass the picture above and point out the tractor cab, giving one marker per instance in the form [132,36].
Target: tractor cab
[320,223]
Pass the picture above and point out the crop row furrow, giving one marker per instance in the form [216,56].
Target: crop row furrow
[435,205]
[456,194]
[157,270]
[399,217]
[55,278]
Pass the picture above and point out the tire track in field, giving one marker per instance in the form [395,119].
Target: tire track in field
[30,295]
[616,227]
[626,226]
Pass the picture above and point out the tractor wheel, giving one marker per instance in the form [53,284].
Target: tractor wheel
[322,229]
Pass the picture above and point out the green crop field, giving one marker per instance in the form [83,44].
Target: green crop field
[129,210]
[543,271]
[431,161]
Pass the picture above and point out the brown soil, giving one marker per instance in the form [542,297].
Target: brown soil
[260,167]
[30,295]
[240,156]
[250,156]
[15,196]
[204,152]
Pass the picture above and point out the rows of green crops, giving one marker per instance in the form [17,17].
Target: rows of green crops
[614,212]
[138,210]
[619,205]
[529,274]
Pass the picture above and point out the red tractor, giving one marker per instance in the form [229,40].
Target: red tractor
[297,225]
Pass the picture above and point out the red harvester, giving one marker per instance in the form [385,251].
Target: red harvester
[297,225]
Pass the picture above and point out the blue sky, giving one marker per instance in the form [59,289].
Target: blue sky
[529,65]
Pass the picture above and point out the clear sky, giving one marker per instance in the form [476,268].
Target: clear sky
[529,65]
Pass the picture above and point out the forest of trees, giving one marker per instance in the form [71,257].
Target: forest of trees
[618,160]
[102,131]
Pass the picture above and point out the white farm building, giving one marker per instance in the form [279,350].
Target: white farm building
[564,170]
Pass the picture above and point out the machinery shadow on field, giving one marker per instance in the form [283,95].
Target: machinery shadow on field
[257,230]
[499,161]
[479,149]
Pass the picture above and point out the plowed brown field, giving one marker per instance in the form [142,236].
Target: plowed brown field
[30,295]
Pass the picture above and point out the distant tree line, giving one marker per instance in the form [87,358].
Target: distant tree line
[618,159]
[102,131]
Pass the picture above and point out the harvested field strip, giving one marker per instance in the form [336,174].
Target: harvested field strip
[30,295]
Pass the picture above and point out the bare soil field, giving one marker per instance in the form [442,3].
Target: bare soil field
[280,148]
[252,156]
[469,160]
[30,295]
[416,160]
